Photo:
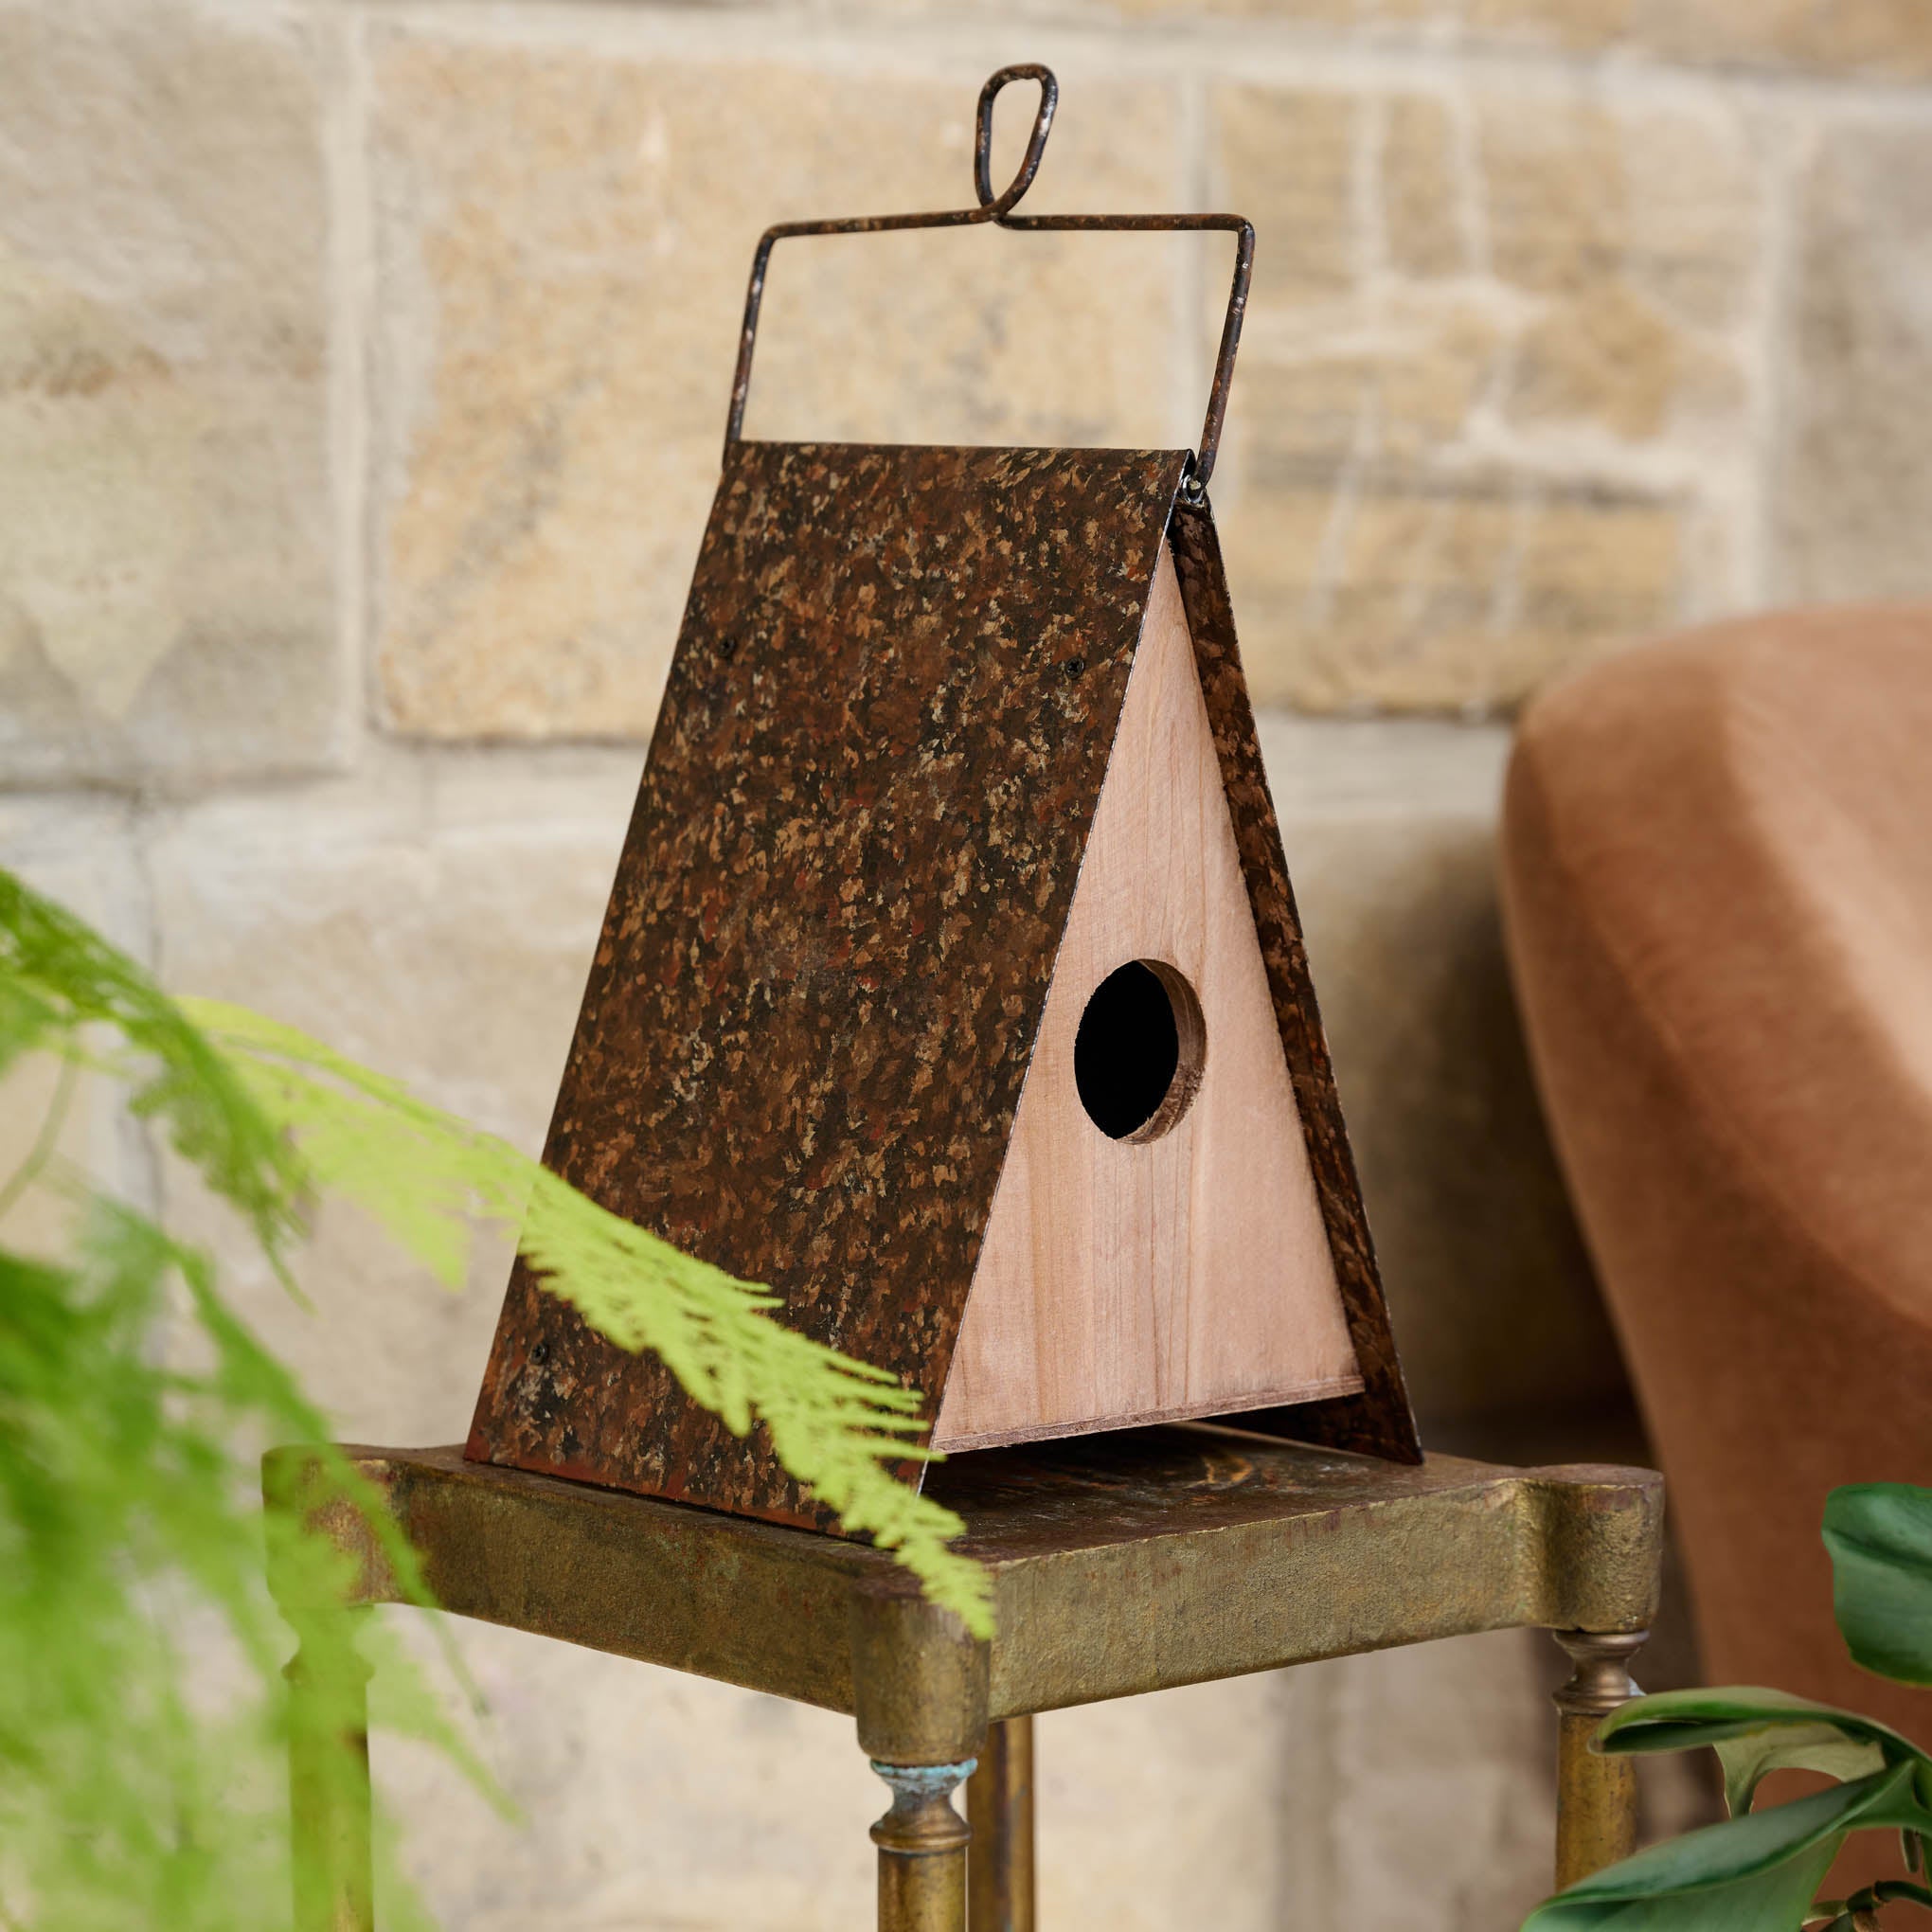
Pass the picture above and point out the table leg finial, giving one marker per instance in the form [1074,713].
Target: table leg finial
[922,1844]
[1596,1796]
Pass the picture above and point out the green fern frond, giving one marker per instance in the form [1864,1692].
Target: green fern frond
[139,1772]
[57,976]
[133,1398]
[837,1425]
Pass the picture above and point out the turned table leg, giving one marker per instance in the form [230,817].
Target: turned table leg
[999,1807]
[328,1776]
[922,1844]
[920,1692]
[1596,1796]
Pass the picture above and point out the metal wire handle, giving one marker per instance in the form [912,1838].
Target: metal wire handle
[999,210]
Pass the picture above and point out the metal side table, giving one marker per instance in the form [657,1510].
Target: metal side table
[1120,1563]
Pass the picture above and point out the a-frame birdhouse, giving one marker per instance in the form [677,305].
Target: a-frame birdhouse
[952,983]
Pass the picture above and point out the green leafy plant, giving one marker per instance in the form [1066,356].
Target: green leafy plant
[1759,1871]
[140,1714]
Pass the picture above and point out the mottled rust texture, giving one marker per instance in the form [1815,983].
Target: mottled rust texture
[1379,1421]
[834,920]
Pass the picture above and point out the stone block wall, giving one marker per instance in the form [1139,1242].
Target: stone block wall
[363,365]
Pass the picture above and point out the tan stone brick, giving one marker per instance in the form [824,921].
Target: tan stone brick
[454,961]
[1390,588]
[1884,38]
[564,240]
[1421,167]
[1836,37]
[1599,566]
[1853,482]
[1612,358]
[1577,24]
[1399,13]
[1411,518]
[1406,390]
[1138,1799]
[1302,12]
[1579,198]
[1439,1783]
[165,605]
[1404,615]
[1555,194]
[1291,157]
[1891,38]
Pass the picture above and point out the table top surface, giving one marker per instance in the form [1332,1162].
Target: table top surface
[1119,1563]
[1193,1479]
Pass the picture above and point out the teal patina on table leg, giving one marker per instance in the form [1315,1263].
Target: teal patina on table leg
[920,1690]
[922,1844]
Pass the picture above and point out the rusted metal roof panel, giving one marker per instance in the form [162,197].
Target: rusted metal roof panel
[834,920]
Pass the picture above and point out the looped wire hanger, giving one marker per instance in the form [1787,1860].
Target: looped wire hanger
[1036,141]
[999,210]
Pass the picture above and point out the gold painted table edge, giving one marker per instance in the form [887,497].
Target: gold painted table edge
[1121,1564]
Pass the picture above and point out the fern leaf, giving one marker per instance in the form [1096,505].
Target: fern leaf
[58,975]
[837,1425]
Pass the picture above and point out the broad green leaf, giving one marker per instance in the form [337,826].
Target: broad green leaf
[1748,1762]
[1880,1537]
[1741,1848]
[1684,1720]
[1772,1900]
[1755,1732]
[1755,1874]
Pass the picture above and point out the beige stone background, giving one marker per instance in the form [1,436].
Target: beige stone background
[362,372]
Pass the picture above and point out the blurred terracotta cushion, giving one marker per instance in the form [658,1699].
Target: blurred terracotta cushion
[1718,890]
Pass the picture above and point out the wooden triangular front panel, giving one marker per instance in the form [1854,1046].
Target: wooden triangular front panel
[1188,1274]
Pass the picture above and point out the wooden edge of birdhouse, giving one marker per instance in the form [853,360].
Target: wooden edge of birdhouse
[1378,1420]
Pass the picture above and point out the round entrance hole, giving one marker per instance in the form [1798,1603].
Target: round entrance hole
[1137,1055]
